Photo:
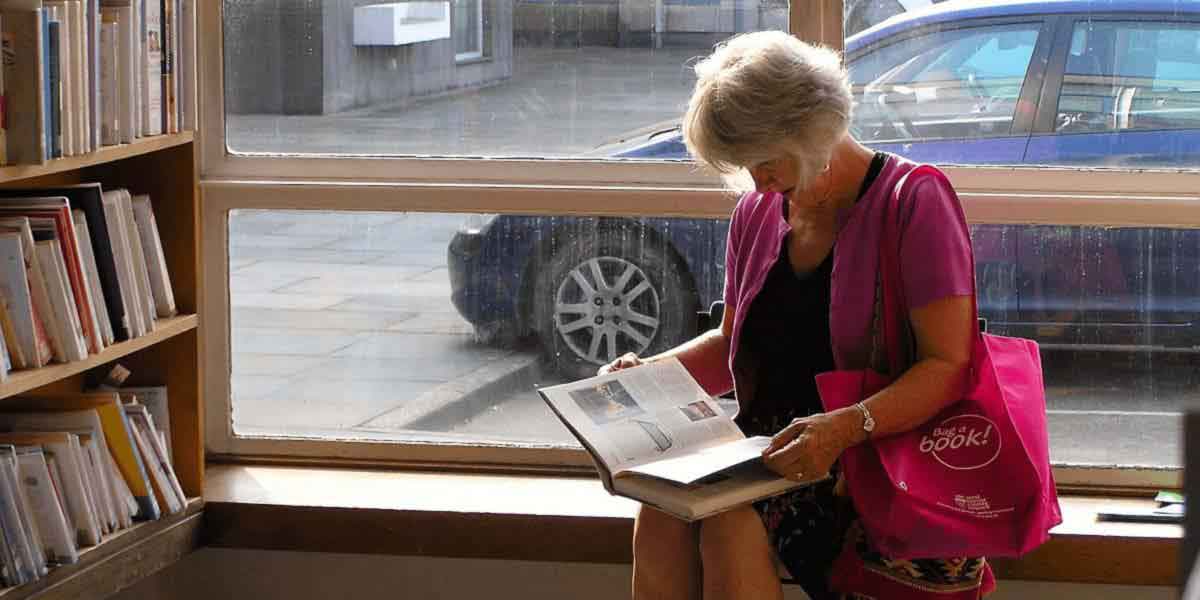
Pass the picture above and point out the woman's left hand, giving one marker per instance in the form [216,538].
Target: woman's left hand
[807,448]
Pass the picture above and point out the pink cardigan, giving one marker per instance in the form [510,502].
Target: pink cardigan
[935,259]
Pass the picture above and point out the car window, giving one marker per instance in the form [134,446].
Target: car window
[960,83]
[1130,75]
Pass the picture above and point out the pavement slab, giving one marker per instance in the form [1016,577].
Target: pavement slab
[262,340]
[348,321]
[299,255]
[450,348]
[431,367]
[448,323]
[246,364]
[285,301]
[326,402]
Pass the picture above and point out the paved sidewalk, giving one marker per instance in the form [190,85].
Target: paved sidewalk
[338,318]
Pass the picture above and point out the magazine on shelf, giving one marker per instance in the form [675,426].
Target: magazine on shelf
[156,262]
[50,218]
[88,197]
[65,454]
[37,284]
[28,332]
[116,434]
[19,528]
[58,541]
[658,438]
[22,47]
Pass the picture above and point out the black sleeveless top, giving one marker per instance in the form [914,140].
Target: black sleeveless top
[787,330]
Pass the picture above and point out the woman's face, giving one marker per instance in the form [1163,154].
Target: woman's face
[776,175]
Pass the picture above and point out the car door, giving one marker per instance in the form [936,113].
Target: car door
[962,92]
[1122,92]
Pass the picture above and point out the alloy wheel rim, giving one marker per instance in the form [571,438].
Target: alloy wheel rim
[604,307]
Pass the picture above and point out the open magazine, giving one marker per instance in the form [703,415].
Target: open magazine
[658,438]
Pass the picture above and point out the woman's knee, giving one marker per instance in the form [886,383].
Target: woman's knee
[656,531]
[730,534]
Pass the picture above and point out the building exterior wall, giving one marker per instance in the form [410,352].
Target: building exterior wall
[555,23]
[253,56]
[631,23]
[363,76]
[291,57]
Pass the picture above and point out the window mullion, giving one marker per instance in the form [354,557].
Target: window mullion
[818,22]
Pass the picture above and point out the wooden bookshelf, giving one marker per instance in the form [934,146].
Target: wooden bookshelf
[164,167]
[120,560]
[99,157]
[22,381]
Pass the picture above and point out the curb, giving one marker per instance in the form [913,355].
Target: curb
[453,402]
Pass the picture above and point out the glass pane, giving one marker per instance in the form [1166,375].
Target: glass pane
[508,78]
[1130,75]
[957,84]
[439,326]
[433,325]
[468,29]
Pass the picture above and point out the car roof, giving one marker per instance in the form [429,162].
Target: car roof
[956,10]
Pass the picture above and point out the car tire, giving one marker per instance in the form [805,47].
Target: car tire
[583,324]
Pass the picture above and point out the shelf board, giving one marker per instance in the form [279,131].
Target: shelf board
[25,380]
[101,156]
[120,560]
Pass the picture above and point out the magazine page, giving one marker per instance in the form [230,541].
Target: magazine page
[641,415]
[692,467]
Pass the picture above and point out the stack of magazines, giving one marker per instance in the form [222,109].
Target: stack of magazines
[75,469]
[81,268]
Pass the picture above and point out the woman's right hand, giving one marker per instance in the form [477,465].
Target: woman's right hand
[624,361]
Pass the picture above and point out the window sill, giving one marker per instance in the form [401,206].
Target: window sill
[521,517]
[473,60]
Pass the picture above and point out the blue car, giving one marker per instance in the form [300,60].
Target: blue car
[1071,82]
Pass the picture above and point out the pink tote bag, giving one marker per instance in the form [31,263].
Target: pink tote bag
[973,481]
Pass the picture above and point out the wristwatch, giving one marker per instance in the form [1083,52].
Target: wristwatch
[868,421]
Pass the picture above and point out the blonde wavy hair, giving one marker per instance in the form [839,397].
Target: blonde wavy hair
[763,95]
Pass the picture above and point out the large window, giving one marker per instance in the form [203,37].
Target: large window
[415,241]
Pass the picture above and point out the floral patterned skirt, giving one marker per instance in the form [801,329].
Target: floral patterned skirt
[817,536]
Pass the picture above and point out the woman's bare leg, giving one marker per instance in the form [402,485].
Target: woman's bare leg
[737,558]
[666,557]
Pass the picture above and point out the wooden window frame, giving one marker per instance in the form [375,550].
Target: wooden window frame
[229,181]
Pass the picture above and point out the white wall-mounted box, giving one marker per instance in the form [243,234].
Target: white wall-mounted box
[400,23]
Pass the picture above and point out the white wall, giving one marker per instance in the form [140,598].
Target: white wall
[260,575]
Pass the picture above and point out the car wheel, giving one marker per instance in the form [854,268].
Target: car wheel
[608,293]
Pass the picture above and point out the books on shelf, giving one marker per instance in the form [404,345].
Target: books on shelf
[81,268]
[657,437]
[156,262]
[81,74]
[16,283]
[21,40]
[74,469]
[3,98]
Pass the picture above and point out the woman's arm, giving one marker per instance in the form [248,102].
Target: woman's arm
[706,357]
[944,330]
[945,335]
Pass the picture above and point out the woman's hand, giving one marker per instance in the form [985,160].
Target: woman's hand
[624,361]
[807,448]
